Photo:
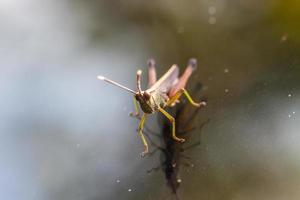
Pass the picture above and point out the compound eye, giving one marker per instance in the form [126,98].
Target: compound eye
[147,96]
[137,97]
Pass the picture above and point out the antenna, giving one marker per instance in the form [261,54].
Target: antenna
[115,83]
[138,80]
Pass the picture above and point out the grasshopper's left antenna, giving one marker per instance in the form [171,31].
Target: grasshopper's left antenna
[138,80]
[115,83]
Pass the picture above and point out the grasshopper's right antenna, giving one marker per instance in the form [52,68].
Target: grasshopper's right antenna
[138,80]
[115,83]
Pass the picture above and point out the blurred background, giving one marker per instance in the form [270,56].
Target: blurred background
[66,135]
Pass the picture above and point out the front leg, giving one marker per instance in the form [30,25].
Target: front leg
[140,130]
[136,107]
[172,120]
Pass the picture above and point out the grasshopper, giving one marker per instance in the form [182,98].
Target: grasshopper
[161,93]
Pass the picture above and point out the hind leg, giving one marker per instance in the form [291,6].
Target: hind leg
[151,72]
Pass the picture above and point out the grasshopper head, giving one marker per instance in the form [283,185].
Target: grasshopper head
[143,97]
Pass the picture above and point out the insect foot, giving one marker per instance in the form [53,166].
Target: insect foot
[203,103]
[143,154]
[136,115]
[181,140]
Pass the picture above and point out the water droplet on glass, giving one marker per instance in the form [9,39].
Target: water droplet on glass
[294,112]
[129,190]
[118,181]
[289,116]
[180,29]
[284,37]
[212,20]
[212,10]
[289,95]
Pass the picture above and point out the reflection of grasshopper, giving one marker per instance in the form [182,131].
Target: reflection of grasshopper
[173,153]
[162,93]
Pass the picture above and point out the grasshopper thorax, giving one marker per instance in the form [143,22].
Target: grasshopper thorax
[144,99]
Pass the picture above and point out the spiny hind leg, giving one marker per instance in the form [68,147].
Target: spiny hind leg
[140,130]
[172,120]
[178,94]
[151,72]
[137,110]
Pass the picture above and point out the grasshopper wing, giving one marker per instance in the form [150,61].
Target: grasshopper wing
[166,82]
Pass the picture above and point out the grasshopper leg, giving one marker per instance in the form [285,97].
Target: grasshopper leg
[203,103]
[178,94]
[151,72]
[140,130]
[172,120]
[137,110]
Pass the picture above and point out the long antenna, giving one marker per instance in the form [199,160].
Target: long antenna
[115,83]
